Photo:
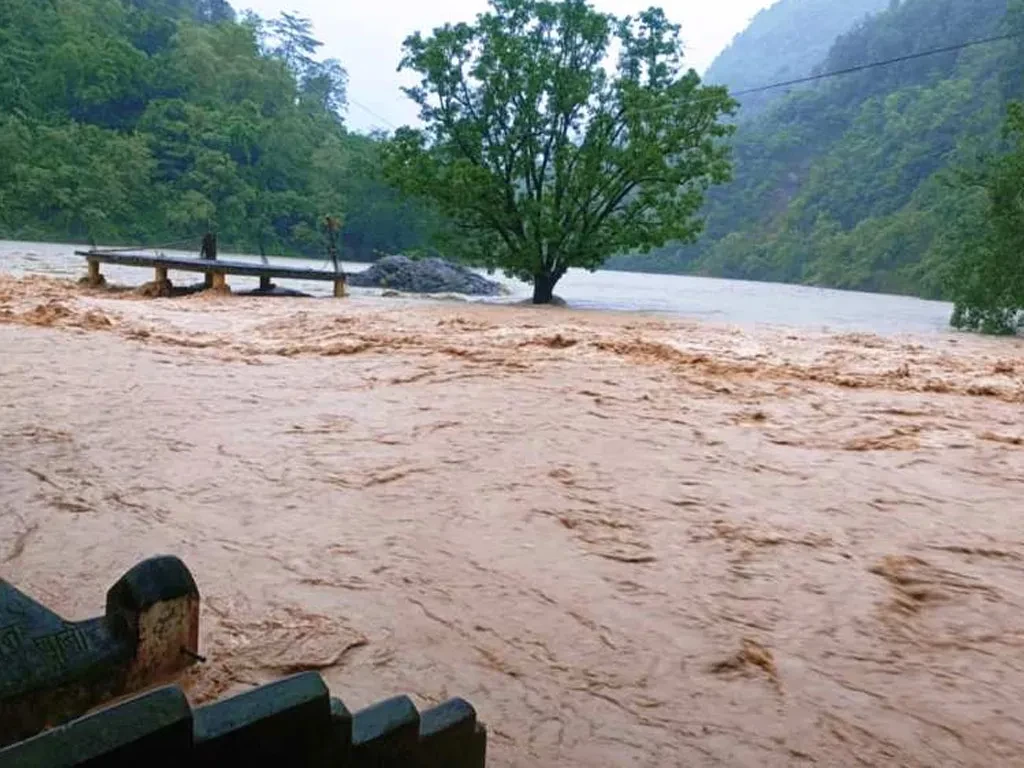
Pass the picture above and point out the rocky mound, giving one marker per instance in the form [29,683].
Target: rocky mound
[400,273]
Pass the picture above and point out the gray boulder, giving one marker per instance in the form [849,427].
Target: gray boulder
[400,273]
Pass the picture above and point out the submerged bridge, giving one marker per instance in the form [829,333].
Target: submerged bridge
[207,264]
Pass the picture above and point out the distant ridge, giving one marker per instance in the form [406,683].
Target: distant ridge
[783,42]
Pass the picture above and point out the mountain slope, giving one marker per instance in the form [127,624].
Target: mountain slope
[784,42]
[845,184]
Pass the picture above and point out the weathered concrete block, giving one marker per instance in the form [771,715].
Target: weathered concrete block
[386,734]
[451,736]
[288,722]
[52,670]
[155,607]
[154,729]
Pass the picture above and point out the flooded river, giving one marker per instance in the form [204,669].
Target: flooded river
[728,301]
[710,534]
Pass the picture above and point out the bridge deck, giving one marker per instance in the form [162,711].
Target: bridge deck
[216,268]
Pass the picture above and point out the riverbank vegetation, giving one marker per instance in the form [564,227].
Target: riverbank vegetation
[150,121]
[987,276]
[850,182]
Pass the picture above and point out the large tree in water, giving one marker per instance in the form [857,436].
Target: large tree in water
[542,154]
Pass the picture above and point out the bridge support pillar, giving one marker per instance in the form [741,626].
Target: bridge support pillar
[95,276]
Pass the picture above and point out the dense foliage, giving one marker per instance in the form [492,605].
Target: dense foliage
[152,120]
[786,41]
[848,184]
[988,270]
[545,159]
[146,121]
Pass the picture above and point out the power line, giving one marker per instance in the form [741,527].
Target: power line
[799,80]
[370,112]
[883,63]
[840,72]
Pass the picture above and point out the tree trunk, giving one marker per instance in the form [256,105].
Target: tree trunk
[543,287]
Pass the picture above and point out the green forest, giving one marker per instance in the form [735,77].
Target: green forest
[153,121]
[855,182]
[150,121]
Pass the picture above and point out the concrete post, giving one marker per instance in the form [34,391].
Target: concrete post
[95,276]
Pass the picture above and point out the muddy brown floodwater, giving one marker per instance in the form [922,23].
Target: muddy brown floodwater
[627,540]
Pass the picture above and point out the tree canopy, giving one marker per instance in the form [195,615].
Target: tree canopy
[542,156]
[149,121]
[987,279]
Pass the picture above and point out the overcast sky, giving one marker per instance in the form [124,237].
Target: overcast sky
[366,36]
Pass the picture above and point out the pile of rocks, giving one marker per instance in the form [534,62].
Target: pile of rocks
[400,273]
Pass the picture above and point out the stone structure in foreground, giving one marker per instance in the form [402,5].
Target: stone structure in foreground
[53,670]
[294,722]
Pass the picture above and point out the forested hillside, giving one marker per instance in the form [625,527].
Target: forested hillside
[150,121]
[146,121]
[850,183]
[785,41]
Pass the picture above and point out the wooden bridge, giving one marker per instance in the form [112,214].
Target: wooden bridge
[208,264]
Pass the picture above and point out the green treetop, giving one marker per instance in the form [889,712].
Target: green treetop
[542,156]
